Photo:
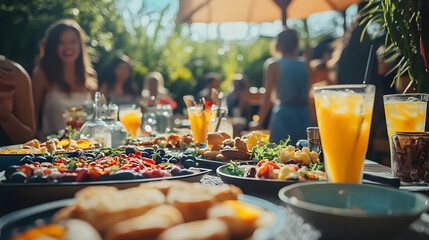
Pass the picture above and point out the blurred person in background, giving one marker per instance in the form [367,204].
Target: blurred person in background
[235,97]
[153,85]
[63,77]
[288,79]
[17,123]
[212,80]
[118,86]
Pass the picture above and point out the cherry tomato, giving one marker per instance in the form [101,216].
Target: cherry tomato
[262,162]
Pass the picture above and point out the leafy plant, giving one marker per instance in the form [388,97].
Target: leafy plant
[401,21]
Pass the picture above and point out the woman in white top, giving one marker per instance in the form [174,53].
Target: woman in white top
[63,78]
[153,85]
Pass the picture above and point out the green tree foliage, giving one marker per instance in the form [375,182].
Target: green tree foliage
[182,62]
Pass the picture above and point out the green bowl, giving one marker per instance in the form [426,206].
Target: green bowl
[354,211]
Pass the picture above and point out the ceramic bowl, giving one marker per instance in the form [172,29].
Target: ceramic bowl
[354,211]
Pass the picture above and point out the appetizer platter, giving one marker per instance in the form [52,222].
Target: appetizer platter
[11,155]
[166,209]
[275,166]
[60,176]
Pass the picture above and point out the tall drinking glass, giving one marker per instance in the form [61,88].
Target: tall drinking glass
[404,113]
[344,117]
[131,117]
[199,118]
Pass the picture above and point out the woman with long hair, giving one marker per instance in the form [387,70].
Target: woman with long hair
[118,84]
[288,80]
[63,77]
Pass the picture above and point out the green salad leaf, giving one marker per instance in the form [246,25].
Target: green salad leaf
[315,166]
[234,170]
[268,151]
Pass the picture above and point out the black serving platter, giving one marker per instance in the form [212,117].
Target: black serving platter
[19,221]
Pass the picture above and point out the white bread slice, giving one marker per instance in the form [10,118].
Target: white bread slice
[147,226]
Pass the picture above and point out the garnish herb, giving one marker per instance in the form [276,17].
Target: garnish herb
[234,170]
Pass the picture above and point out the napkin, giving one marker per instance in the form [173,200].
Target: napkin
[382,178]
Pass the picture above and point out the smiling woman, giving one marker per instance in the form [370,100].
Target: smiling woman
[63,78]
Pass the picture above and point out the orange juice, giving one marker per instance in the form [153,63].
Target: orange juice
[405,117]
[200,119]
[405,113]
[132,122]
[344,119]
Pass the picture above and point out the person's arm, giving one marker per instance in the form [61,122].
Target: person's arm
[20,125]
[271,76]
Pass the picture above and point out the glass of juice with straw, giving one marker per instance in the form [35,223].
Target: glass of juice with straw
[405,113]
[344,117]
[199,117]
[131,117]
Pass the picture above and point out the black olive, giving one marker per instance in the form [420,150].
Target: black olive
[164,160]
[26,160]
[40,159]
[161,152]
[191,157]
[37,179]
[189,163]
[105,177]
[17,177]
[183,158]
[100,155]
[148,150]
[129,150]
[10,170]
[158,159]
[184,172]
[167,156]
[89,155]
[145,154]
[77,153]
[123,175]
[50,158]
[173,160]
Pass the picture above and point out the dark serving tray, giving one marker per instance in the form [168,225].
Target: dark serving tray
[21,195]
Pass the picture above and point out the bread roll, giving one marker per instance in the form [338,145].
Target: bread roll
[104,206]
[211,229]
[78,229]
[191,202]
[147,226]
[165,185]
[241,222]
[214,139]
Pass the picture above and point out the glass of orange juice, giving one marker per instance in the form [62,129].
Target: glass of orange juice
[344,117]
[131,117]
[405,113]
[200,119]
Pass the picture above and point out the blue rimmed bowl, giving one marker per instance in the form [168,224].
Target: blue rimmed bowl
[354,211]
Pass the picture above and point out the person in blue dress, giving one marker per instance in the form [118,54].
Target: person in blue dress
[287,86]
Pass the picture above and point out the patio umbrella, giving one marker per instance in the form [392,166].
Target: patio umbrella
[254,11]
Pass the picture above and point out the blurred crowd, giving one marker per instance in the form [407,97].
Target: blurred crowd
[64,78]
